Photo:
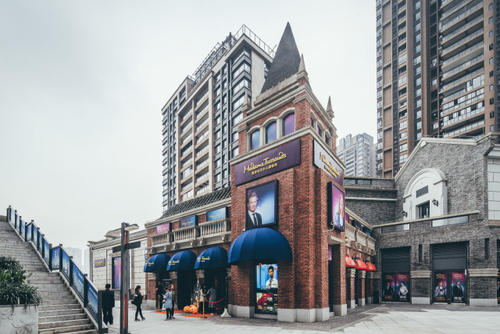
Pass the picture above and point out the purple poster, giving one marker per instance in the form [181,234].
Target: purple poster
[117,263]
[267,163]
[163,228]
[458,286]
[338,208]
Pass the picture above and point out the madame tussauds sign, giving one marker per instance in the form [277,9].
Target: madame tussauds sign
[325,161]
[267,163]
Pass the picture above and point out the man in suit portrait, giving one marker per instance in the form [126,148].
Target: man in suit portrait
[254,219]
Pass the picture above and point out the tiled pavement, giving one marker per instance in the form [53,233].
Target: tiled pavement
[386,319]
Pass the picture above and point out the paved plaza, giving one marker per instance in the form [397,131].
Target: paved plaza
[386,319]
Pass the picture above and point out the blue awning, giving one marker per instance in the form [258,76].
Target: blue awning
[211,258]
[183,260]
[156,263]
[260,244]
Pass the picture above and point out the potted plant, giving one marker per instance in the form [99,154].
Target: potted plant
[18,299]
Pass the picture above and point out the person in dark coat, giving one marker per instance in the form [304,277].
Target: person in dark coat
[137,301]
[108,302]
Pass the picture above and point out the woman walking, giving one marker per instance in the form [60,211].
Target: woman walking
[169,304]
[137,301]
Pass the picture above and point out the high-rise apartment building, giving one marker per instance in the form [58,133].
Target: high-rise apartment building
[358,155]
[200,118]
[436,69]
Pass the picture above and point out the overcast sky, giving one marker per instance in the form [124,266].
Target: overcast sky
[82,84]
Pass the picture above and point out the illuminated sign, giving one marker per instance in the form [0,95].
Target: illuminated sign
[325,161]
[267,163]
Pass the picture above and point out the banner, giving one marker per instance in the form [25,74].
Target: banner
[267,163]
[78,280]
[440,287]
[163,228]
[337,207]
[46,251]
[267,288]
[92,300]
[458,287]
[116,272]
[65,264]
[217,214]
[55,258]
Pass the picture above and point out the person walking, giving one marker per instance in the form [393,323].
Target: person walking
[137,301]
[212,297]
[169,304]
[172,290]
[108,302]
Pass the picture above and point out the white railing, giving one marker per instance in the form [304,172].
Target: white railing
[162,238]
[185,233]
[213,228]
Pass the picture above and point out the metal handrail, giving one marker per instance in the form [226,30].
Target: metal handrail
[58,260]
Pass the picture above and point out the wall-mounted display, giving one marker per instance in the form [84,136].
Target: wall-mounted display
[261,205]
[163,228]
[117,269]
[336,209]
[396,287]
[217,214]
[267,288]
[440,292]
[188,221]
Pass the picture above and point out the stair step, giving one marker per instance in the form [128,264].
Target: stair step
[67,306]
[68,329]
[59,317]
[63,323]
[66,311]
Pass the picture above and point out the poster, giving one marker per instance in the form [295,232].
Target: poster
[28,232]
[46,251]
[403,287]
[440,292]
[65,264]
[187,221]
[117,263]
[267,302]
[55,258]
[267,277]
[163,228]
[92,299]
[261,205]
[458,287]
[78,280]
[217,214]
[388,287]
[338,208]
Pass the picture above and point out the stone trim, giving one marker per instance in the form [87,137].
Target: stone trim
[483,272]
[375,275]
[483,302]
[377,199]
[351,272]
[469,213]
[421,300]
[362,273]
[241,311]
[420,274]
[494,223]
[340,310]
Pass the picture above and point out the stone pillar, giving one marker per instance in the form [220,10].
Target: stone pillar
[420,287]
[339,281]
[242,291]
[351,288]
[482,286]
[369,288]
[361,287]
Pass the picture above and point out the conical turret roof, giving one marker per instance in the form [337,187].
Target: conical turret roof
[286,61]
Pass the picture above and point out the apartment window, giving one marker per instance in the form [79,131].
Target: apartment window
[423,210]
[420,253]
[239,102]
[492,101]
[403,135]
[242,68]
[403,147]
[289,124]
[490,6]
[492,87]
[491,33]
[238,119]
[236,151]
[403,125]
[490,20]
[242,84]
[491,60]
[271,132]
[492,114]
[255,139]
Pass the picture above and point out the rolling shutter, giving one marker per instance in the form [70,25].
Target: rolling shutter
[396,260]
[449,256]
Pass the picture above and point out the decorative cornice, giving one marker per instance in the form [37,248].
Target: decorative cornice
[420,274]
[376,199]
[483,272]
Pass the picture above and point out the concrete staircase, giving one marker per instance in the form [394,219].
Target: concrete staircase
[59,312]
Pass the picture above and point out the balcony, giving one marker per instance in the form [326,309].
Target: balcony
[452,22]
[357,239]
[466,65]
[478,34]
[462,29]
[473,48]
[209,233]
[202,152]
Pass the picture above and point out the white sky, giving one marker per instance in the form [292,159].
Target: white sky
[82,84]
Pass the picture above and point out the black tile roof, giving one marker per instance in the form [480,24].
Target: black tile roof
[212,197]
[286,61]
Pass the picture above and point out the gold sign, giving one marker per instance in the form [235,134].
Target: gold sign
[267,163]
[328,165]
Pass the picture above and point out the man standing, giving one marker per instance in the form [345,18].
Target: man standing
[254,219]
[108,302]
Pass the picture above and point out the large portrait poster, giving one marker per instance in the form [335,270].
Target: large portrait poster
[402,287]
[338,208]
[117,268]
[267,288]
[389,287]
[458,286]
[261,205]
[440,287]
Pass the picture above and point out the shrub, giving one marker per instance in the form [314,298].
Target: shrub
[14,289]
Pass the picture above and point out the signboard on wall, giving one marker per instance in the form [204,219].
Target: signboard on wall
[217,214]
[262,205]
[99,263]
[163,228]
[325,161]
[267,163]
[187,221]
[336,207]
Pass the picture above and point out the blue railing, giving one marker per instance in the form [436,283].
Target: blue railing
[57,259]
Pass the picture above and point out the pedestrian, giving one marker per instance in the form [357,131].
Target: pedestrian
[174,300]
[212,297]
[169,304]
[108,302]
[160,291]
[137,301]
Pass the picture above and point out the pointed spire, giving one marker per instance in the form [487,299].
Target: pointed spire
[302,65]
[329,108]
[286,60]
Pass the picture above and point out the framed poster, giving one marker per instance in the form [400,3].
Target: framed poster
[440,292]
[117,268]
[262,205]
[336,207]
[267,288]
[458,286]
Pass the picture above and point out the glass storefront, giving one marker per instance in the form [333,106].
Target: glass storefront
[266,288]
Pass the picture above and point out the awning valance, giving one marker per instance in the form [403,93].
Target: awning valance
[360,265]
[349,262]
[370,266]
[260,244]
[156,263]
[211,258]
[183,260]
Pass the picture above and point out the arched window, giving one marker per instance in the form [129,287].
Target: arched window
[289,124]
[271,132]
[255,140]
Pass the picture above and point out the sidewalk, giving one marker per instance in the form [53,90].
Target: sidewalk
[371,319]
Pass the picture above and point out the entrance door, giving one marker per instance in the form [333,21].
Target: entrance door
[184,288]
[448,263]
[396,278]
